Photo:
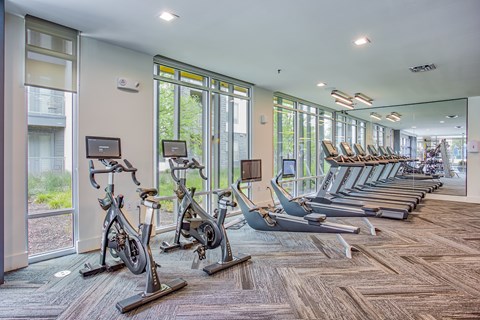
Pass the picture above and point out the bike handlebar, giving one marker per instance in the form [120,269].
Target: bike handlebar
[187,164]
[118,167]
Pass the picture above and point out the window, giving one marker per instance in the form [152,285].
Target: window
[350,130]
[299,127]
[212,113]
[378,135]
[50,75]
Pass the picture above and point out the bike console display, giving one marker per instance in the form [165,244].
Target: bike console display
[174,148]
[289,168]
[103,148]
[251,170]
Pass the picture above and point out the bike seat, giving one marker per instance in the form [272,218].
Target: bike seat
[147,192]
[315,217]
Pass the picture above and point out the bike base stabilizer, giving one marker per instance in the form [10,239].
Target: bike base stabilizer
[140,299]
[91,270]
[219,266]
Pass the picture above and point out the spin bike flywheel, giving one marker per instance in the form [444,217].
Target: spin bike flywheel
[211,234]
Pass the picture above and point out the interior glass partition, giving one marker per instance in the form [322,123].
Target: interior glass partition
[432,134]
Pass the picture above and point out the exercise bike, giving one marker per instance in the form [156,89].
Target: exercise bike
[192,220]
[118,235]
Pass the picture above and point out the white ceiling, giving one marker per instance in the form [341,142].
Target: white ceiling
[309,40]
[424,120]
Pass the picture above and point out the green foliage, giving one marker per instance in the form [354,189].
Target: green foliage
[48,182]
[53,189]
[191,109]
[55,200]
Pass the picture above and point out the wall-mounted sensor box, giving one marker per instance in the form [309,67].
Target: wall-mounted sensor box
[128,84]
[473,146]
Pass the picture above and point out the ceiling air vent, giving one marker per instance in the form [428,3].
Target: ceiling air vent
[423,68]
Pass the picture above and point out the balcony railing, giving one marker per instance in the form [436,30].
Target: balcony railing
[37,165]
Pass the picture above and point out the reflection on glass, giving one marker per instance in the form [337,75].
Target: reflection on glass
[433,133]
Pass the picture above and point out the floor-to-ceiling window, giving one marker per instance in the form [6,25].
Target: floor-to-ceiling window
[212,113]
[50,82]
[349,129]
[299,127]
[378,135]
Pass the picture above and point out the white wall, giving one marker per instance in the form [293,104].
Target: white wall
[473,159]
[15,146]
[262,141]
[105,110]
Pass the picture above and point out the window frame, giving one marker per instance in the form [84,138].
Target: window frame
[211,104]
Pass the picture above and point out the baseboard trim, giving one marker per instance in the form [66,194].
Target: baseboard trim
[87,245]
[16,261]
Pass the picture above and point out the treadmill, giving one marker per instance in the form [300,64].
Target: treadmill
[432,179]
[379,176]
[329,189]
[357,182]
[351,174]
[389,174]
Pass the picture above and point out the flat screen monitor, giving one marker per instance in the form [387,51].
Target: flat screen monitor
[347,149]
[103,148]
[289,168]
[251,170]
[174,148]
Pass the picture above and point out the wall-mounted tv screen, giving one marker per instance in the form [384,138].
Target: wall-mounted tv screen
[174,148]
[251,170]
[289,168]
[103,147]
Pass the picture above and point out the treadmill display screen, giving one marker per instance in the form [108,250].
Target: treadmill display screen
[383,151]
[174,148]
[103,148]
[289,168]
[251,170]
[332,152]
[359,149]
[348,150]
[372,150]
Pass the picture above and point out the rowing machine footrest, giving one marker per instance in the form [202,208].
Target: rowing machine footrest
[315,218]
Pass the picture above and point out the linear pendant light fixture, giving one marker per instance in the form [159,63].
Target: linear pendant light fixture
[363,98]
[375,115]
[395,115]
[342,96]
[390,118]
[344,104]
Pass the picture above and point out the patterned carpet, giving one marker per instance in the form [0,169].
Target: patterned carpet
[427,267]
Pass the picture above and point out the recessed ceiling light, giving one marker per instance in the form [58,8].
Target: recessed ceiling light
[167,16]
[453,116]
[414,127]
[361,41]
[321,84]
[442,121]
